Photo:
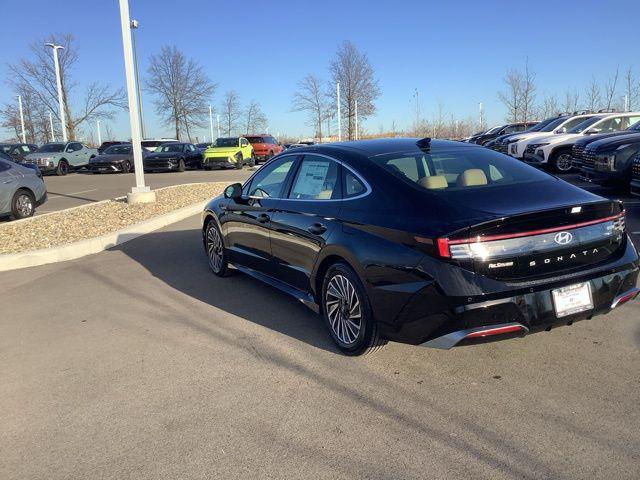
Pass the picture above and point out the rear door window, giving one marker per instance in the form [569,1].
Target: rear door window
[317,179]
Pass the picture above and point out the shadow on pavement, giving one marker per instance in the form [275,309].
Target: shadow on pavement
[177,259]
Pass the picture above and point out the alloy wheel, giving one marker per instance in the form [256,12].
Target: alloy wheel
[214,249]
[343,309]
[563,163]
[24,205]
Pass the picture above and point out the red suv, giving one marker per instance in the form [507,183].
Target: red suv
[264,146]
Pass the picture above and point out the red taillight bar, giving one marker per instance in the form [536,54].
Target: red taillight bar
[495,331]
[443,243]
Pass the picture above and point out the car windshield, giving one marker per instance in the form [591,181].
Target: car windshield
[203,145]
[169,147]
[118,150]
[457,169]
[256,139]
[635,126]
[580,127]
[492,130]
[151,143]
[539,127]
[551,126]
[227,142]
[5,148]
[52,147]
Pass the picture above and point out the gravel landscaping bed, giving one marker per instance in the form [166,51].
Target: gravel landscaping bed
[76,224]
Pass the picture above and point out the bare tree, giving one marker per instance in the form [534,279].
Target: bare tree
[593,96]
[610,88]
[181,88]
[311,99]
[230,111]
[520,94]
[35,78]
[571,100]
[550,106]
[631,89]
[254,119]
[351,68]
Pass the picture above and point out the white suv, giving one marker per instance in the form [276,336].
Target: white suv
[518,143]
[555,149]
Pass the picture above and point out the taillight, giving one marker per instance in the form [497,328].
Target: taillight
[514,244]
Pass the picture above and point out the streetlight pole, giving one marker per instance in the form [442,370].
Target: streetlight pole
[53,134]
[357,120]
[63,123]
[24,136]
[218,120]
[99,137]
[134,26]
[211,122]
[338,102]
[140,193]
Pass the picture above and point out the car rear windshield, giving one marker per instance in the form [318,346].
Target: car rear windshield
[227,142]
[118,150]
[457,169]
[152,143]
[52,147]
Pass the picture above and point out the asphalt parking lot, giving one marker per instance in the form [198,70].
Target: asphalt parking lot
[83,187]
[124,364]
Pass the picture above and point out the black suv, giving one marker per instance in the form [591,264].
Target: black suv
[173,156]
[436,243]
[485,137]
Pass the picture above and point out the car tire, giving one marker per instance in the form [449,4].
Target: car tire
[347,312]
[126,167]
[252,161]
[561,161]
[214,248]
[23,204]
[181,165]
[62,169]
[239,160]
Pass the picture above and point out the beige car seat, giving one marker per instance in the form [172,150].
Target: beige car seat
[471,178]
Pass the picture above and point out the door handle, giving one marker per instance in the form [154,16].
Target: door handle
[263,218]
[317,229]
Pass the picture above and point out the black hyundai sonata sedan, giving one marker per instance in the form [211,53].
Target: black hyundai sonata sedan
[426,242]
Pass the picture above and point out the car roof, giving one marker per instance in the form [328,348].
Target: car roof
[382,146]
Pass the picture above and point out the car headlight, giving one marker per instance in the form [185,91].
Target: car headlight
[512,140]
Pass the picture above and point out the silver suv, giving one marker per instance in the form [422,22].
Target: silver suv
[22,189]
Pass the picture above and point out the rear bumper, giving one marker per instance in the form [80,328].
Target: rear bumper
[433,319]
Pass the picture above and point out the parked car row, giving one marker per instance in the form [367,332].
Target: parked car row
[602,146]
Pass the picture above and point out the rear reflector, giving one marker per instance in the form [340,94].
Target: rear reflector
[625,297]
[496,331]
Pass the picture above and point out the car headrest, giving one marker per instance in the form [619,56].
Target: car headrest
[472,177]
[433,182]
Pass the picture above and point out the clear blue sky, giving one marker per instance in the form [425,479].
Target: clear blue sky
[455,53]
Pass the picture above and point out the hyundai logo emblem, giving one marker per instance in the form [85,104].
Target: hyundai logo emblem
[563,238]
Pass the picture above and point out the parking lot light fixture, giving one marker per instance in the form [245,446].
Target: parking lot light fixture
[56,63]
[24,136]
[211,122]
[53,134]
[338,102]
[140,193]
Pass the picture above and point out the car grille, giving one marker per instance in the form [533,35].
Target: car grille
[217,159]
[635,169]
[577,153]
[41,162]
[500,147]
[588,158]
[531,148]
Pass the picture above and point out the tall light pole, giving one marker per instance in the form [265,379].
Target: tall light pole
[481,115]
[338,102]
[357,136]
[24,135]
[140,193]
[211,122]
[53,134]
[134,26]
[98,128]
[63,123]
[218,120]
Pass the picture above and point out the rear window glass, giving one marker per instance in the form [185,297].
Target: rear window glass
[227,142]
[458,169]
[118,150]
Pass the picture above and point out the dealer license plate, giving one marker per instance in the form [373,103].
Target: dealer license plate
[572,299]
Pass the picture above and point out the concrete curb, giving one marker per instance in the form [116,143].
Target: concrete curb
[71,251]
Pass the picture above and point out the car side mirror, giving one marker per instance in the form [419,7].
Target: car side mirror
[591,131]
[233,191]
[561,130]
